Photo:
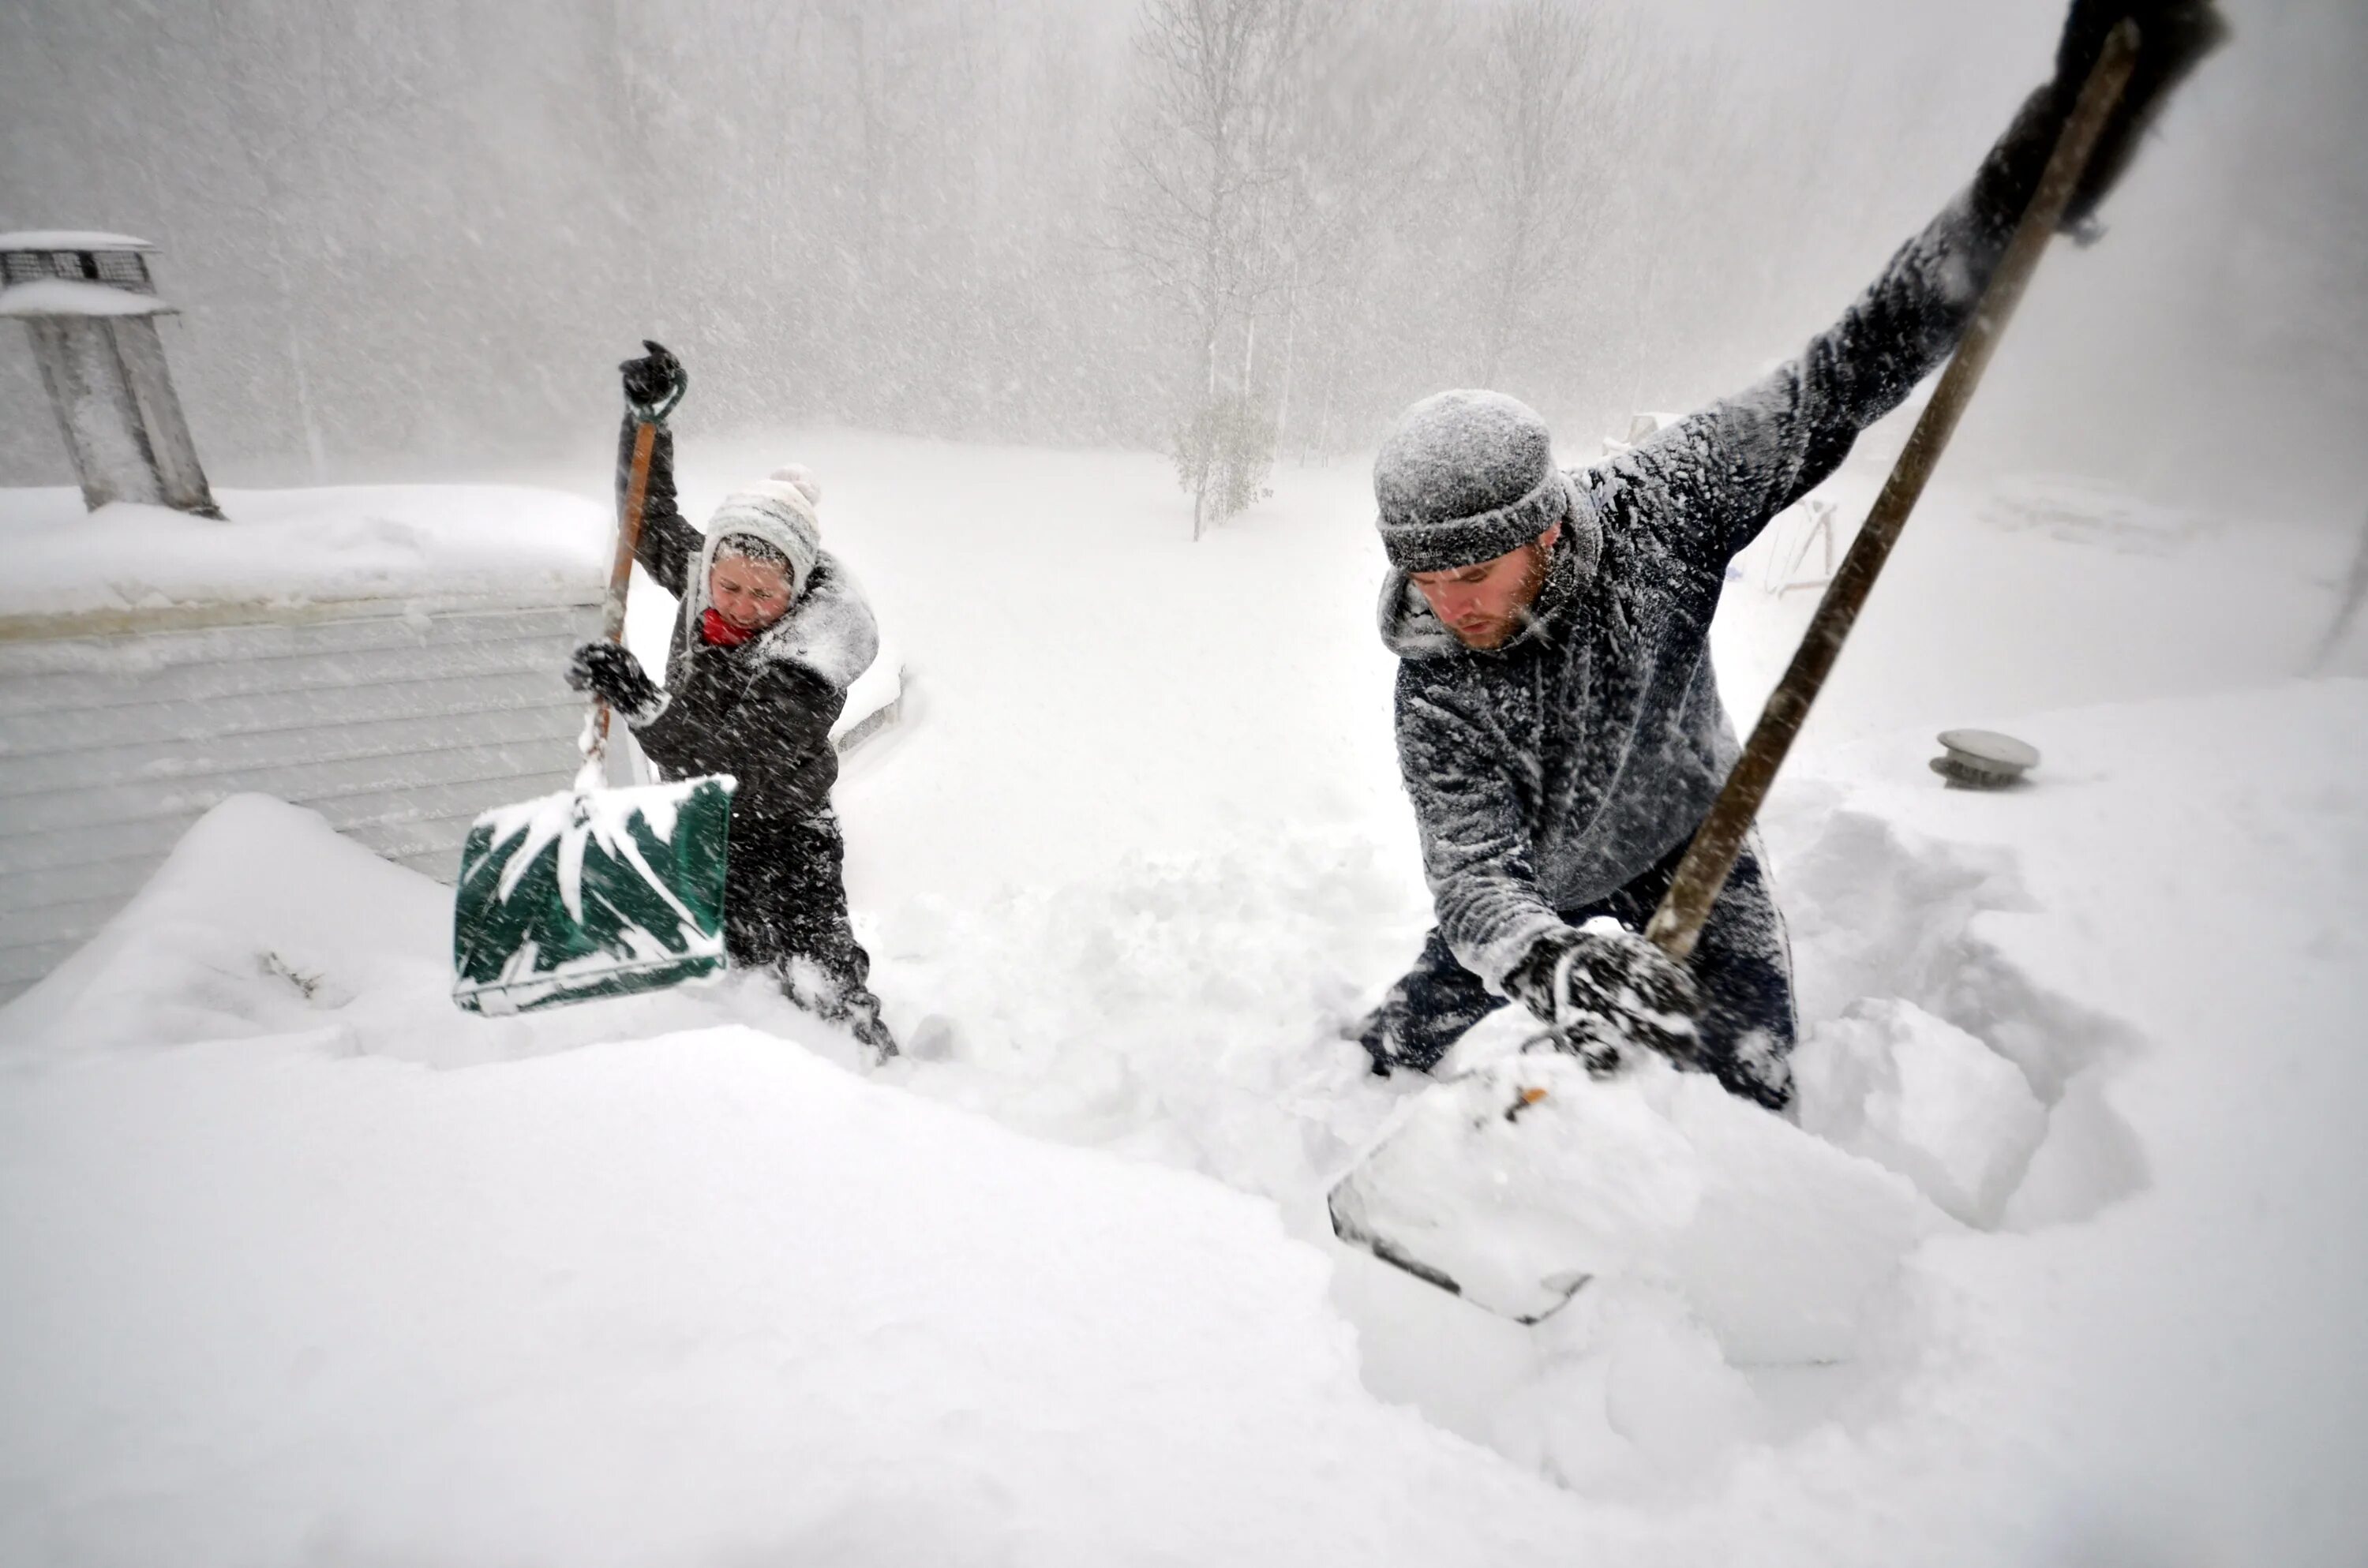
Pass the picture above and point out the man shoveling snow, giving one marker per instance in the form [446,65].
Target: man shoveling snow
[1559,726]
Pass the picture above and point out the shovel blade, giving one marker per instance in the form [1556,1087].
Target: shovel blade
[586,893]
[1512,1185]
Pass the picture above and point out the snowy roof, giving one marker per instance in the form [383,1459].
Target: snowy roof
[69,239]
[78,297]
[286,548]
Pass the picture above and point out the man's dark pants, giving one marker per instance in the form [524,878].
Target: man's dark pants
[1742,966]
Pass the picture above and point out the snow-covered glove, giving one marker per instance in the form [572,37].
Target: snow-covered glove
[1602,988]
[2173,37]
[655,382]
[614,675]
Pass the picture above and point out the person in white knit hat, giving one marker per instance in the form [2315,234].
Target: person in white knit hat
[771,632]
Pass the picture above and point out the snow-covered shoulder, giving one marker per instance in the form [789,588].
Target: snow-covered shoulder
[301,546]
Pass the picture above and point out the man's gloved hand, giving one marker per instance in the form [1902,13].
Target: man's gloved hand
[617,678]
[2173,36]
[655,382]
[1603,987]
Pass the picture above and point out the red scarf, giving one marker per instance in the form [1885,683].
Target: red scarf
[719,632]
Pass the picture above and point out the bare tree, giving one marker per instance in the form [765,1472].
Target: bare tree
[1544,67]
[1207,214]
[2353,594]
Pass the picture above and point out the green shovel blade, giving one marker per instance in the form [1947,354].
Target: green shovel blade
[590,894]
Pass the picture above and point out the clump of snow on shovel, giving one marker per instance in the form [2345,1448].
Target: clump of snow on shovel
[1776,1241]
[1477,1181]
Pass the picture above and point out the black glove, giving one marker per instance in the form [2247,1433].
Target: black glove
[617,677]
[2173,37]
[1603,989]
[655,382]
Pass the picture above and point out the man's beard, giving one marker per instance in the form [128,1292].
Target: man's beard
[1494,633]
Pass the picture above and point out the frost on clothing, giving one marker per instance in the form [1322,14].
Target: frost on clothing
[1550,774]
[1741,964]
[761,710]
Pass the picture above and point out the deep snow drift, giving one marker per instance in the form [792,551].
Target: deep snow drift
[305,1264]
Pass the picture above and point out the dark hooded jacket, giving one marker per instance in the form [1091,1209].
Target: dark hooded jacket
[1552,772]
[760,711]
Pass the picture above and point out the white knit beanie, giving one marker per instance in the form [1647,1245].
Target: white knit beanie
[778,510]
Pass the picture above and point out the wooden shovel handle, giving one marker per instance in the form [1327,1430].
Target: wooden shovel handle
[1704,871]
[621,570]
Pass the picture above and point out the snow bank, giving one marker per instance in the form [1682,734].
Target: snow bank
[564,1279]
[1926,1099]
[697,1297]
[300,546]
[705,1295]
[261,921]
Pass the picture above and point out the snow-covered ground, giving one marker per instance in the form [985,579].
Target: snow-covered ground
[290,546]
[2063,1264]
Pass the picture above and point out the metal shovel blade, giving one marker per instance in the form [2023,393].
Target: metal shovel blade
[1524,1301]
[585,893]
[1487,1185]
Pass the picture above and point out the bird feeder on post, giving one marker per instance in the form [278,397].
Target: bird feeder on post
[91,308]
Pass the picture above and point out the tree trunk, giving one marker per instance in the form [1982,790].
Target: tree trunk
[1289,350]
[307,418]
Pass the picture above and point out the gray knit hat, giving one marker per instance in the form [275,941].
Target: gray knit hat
[1466,477]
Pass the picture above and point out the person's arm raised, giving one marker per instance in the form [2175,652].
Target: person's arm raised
[654,384]
[1736,464]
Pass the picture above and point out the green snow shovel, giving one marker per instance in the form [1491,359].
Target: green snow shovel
[594,892]
[1476,1187]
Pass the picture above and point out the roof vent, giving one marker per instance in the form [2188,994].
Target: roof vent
[1982,759]
[91,307]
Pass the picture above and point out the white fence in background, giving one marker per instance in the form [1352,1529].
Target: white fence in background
[397,722]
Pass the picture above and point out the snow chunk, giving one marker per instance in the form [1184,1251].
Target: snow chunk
[1524,1179]
[284,547]
[1920,1095]
[1668,1391]
[1526,1175]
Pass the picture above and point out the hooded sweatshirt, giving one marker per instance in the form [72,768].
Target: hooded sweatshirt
[760,710]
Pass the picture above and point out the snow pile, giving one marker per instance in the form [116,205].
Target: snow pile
[697,1297]
[289,547]
[1523,1180]
[1767,1238]
[265,923]
[623,1282]
[280,1295]
[262,921]
[1890,1081]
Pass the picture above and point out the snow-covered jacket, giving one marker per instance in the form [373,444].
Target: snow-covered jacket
[1563,766]
[760,711]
